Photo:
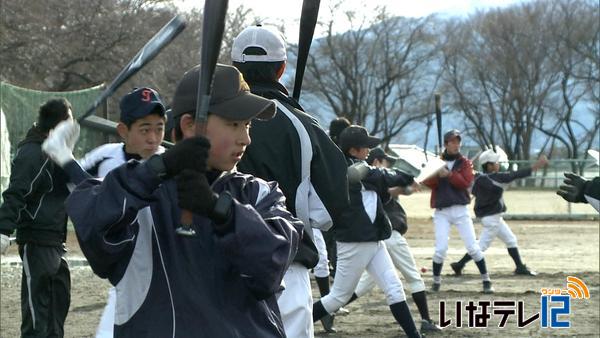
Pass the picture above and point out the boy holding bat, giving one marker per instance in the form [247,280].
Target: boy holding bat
[220,283]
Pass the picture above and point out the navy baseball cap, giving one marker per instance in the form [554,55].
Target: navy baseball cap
[357,137]
[379,154]
[139,103]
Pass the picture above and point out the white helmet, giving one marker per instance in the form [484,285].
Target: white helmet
[489,156]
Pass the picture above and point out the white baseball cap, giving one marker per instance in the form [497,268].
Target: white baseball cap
[489,156]
[267,38]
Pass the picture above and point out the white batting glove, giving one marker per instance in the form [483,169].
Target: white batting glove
[61,141]
[4,243]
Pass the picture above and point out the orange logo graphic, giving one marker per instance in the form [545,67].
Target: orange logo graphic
[576,288]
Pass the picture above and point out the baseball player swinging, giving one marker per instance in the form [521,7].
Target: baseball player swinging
[450,197]
[396,244]
[489,207]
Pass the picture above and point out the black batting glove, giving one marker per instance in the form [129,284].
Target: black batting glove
[189,154]
[196,195]
[573,188]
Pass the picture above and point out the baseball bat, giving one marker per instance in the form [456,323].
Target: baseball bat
[160,40]
[213,26]
[438,121]
[308,22]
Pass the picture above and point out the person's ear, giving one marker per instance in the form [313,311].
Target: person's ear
[281,70]
[123,130]
[187,125]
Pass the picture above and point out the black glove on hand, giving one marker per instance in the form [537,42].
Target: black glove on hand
[190,154]
[573,188]
[196,195]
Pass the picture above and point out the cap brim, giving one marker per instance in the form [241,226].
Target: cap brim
[245,107]
[372,142]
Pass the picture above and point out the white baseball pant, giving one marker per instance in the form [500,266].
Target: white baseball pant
[495,226]
[458,215]
[322,268]
[403,260]
[107,321]
[352,260]
[295,302]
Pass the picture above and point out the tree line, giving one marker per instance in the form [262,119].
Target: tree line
[512,74]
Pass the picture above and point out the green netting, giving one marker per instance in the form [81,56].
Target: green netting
[21,106]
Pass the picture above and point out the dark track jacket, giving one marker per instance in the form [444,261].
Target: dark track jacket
[275,155]
[592,193]
[454,189]
[489,188]
[210,285]
[365,220]
[34,200]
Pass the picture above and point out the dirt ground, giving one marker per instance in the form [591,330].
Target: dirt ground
[555,249]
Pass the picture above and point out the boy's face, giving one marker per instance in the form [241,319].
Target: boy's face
[228,141]
[453,146]
[493,167]
[360,153]
[144,136]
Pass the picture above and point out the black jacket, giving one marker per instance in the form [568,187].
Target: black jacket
[274,155]
[34,200]
[355,224]
[488,190]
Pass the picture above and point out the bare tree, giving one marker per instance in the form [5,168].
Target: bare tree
[575,30]
[375,74]
[498,67]
[60,45]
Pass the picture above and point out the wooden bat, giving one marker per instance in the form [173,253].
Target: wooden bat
[160,40]
[308,21]
[213,26]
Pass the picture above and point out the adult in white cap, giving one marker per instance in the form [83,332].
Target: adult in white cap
[295,151]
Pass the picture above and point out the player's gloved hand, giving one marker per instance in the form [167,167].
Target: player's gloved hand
[4,243]
[60,142]
[191,154]
[196,195]
[573,188]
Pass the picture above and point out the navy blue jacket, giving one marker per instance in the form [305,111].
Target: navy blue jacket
[210,285]
[488,190]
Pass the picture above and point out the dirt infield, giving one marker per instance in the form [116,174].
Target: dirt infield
[555,249]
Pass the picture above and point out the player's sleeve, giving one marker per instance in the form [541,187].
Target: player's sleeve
[104,214]
[263,239]
[462,178]
[592,193]
[431,182]
[381,179]
[507,177]
[26,169]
